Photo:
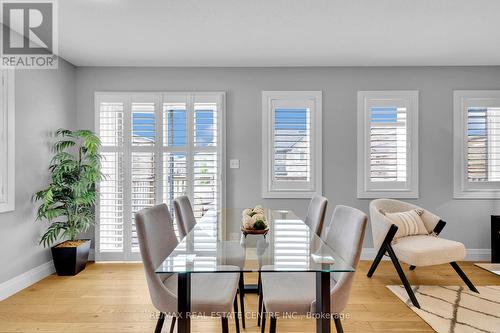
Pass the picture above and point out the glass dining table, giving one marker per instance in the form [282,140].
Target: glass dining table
[289,246]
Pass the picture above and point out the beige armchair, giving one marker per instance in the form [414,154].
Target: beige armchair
[416,250]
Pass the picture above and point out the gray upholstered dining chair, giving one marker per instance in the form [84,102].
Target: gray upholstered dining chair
[295,292]
[210,293]
[315,220]
[316,213]
[184,215]
[186,221]
[424,248]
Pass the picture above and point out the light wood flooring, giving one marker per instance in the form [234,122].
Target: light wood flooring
[114,298]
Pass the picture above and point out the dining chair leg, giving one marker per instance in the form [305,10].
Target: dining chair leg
[241,287]
[264,315]
[225,324]
[159,323]
[259,310]
[172,324]
[463,276]
[184,302]
[412,268]
[338,324]
[272,325]
[236,319]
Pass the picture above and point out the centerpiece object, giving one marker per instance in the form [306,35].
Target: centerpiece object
[254,221]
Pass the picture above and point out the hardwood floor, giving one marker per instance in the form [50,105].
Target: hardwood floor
[114,298]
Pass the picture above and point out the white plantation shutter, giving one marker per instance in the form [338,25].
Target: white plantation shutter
[291,144]
[110,212]
[477,149]
[157,147]
[111,203]
[143,187]
[388,144]
[493,141]
[388,148]
[291,244]
[483,141]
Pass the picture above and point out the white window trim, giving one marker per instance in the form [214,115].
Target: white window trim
[316,144]
[7,148]
[462,188]
[126,96]
[410,99]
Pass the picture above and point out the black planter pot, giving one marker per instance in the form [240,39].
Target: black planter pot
[70,260]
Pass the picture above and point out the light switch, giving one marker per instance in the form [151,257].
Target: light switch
[234,164]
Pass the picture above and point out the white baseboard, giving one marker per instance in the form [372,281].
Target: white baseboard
[472,254]
[478,255]
[26,279]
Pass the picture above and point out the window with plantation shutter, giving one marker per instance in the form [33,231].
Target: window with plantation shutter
[477,144]
[291,146]
[388,144]
[156,147]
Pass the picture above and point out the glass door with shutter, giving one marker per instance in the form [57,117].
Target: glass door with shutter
[156,147]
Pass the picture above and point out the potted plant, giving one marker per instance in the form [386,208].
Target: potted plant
[68,201]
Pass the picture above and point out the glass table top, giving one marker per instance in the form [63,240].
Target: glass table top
[289,246]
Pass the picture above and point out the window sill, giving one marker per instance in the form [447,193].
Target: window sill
[388,194]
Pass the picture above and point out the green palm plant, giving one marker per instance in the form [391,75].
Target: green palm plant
[68,201]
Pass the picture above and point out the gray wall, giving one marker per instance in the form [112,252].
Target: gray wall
[468,219]
[45,101]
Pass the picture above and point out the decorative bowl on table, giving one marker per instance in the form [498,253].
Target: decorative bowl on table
[253,221]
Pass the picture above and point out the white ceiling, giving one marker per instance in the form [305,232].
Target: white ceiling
[279,32]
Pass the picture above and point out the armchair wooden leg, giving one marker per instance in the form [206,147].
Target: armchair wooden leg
[412,268]
[383,248]
[264,315]
[463,276]
[272,325]
[338,324]
[402,275]
[241,287]
[375,262]
[159,323]
[225,325]
[172,324]
[236,319]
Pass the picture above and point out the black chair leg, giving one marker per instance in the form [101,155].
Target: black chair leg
[264,315]
[463,276]
[387,240]
[172,324]
[338,324]
[225,325]
[241,287]
[412,268]
[236,319]
[259,310]
[159,323]
[375,262]
[272,325]
[402,275]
